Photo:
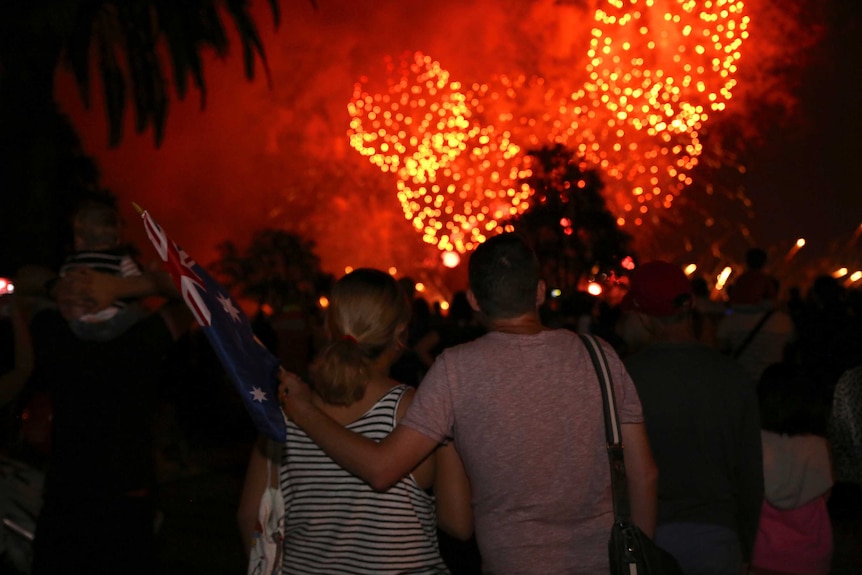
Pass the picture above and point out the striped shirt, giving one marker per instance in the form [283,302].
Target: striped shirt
[336,523]
[113,262]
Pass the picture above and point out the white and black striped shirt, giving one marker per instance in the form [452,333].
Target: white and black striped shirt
[336,523]
[114,262]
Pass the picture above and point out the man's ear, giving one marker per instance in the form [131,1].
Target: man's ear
[540,293]
[471,299]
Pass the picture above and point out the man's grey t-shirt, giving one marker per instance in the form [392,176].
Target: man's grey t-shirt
[525,412]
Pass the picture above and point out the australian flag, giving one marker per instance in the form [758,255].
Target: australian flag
[251,367]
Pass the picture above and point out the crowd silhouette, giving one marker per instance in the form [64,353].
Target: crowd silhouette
[100,432]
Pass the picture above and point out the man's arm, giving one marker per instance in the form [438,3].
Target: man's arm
[452,490]
[642,475]
[381,465]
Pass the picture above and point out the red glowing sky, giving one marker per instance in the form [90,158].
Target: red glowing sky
[260,156]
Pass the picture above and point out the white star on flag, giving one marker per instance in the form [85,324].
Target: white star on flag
[228,307]
[258,394]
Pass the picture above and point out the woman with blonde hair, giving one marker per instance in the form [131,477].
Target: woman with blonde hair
[334,522]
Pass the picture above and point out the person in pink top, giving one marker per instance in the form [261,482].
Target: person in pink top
[524,408]
[794,536]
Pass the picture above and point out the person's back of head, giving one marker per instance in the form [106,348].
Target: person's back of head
[789,401]
[367,314]
[659,301]
[754,287]
[459,308]
[504,275]
[700,288]
[827,292]
[755,259]
[659,289]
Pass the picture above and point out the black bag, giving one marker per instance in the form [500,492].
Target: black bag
[630,550]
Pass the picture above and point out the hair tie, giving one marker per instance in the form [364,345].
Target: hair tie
[348,337]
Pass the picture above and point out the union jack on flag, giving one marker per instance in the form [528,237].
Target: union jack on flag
[251,367]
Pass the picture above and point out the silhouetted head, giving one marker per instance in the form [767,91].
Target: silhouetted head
[504,277]
[755,259]
[789,401]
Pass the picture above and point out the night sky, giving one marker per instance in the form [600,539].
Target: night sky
[278,155]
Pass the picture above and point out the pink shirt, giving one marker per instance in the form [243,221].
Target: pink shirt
[795,533]
[525,412]
[794,540]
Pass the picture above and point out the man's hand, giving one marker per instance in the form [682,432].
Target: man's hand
[293,393]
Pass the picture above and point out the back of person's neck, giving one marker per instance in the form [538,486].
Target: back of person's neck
[526,324]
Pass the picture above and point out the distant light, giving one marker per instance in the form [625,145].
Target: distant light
[556,292]
[690,268]
[840,273]
[419,286]
[722,278]
[393,270]
[800,242]
[323,302]
[594,288]
[444,305]
[348,269]
[856,276]
[628,263]
[6,286]
[451,259]
[266,309]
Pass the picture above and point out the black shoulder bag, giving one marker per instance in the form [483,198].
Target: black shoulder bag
[630,550]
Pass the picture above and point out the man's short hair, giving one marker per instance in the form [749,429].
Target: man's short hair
[504,274]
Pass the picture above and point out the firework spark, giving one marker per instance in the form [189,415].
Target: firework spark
[656,70]
[456,177]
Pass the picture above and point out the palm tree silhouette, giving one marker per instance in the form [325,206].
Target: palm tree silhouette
[128,44]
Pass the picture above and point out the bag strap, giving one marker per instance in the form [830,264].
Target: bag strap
[613,434]
[738,351]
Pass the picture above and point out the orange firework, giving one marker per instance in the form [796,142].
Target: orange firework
[657,68]
[655,71]
[456,176]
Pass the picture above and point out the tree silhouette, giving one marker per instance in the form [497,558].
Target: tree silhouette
[123,40]
[276,268]
[568,223]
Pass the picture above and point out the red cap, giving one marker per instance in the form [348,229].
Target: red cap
[658,288]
